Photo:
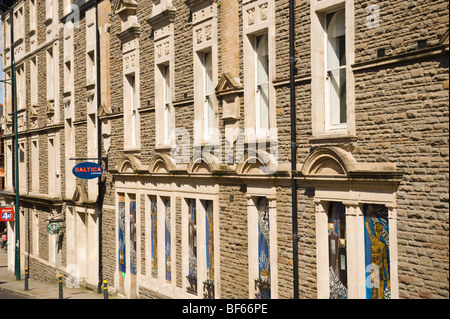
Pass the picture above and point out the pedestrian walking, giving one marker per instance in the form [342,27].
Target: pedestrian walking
[4,240]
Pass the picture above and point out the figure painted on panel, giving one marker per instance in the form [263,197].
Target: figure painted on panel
[377,252]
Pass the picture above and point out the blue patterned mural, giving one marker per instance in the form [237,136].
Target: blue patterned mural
[376,240]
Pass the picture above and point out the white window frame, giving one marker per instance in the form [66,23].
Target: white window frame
[49,11]
[330,108]
[33,15]
[259,19]
[262,126]
[209,114]
[91,70]
[35,164]
[23,167]
[35,232]
[19,25]
[50,74]
[9,164]
[253,193]
[34,77]
[321,127]
[200,200]
[167,106]
[133,108]
[51,165]
[21,87]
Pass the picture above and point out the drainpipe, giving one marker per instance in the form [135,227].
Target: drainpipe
[293,146]
[16,147]
[99,153]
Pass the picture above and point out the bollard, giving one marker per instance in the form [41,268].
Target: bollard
[60,287]
[105,289]
[26,278]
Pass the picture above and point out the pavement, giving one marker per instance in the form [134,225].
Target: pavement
[39,289]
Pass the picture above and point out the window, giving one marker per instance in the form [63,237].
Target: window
[337,251]
[70,153]
[133,109]
[167,103]
[35,232]
[34,81]
[208,111]
[67,76]
[49,9]
[154,236]
[50,71]
[209,219]
[167,239]
[22,166]
[21,87]
[32,15]
[332,78]
[9,166]
[90,68]
[35,165]
[192,240]
[7,39]
[261,245]
[335,77]
[18,24]
[262,85]
[264,279]
[92,135]
[133,236]
[377,252]
[358,260]
[259,66]
[198,245]
[122,244]
[51,166]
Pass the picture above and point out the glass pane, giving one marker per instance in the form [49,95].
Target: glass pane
[336,62]
[133,237]
[192,239]
[337,253]
[167,90]
[154,234]
[167,246]
[263,96]
[209,116]
[263,248]
[262,67]
[167,123]
[209,240]
[376,240]
[336,39]
[208,73]
[121,235]
[337,96]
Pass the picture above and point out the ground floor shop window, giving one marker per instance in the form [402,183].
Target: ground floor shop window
[133,235]
[208,286]
[192,239]
[167,240]
[154,236]
[337,251]
[376,243]
[121,235]
[263,283]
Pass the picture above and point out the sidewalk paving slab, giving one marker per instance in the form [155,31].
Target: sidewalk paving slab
[39,289]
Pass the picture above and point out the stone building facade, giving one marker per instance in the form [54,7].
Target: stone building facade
[195,115]
[55,52]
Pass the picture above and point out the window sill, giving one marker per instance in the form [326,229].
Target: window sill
[132,150]
[333,138]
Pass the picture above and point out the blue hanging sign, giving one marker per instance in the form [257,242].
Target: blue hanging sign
[87,170]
